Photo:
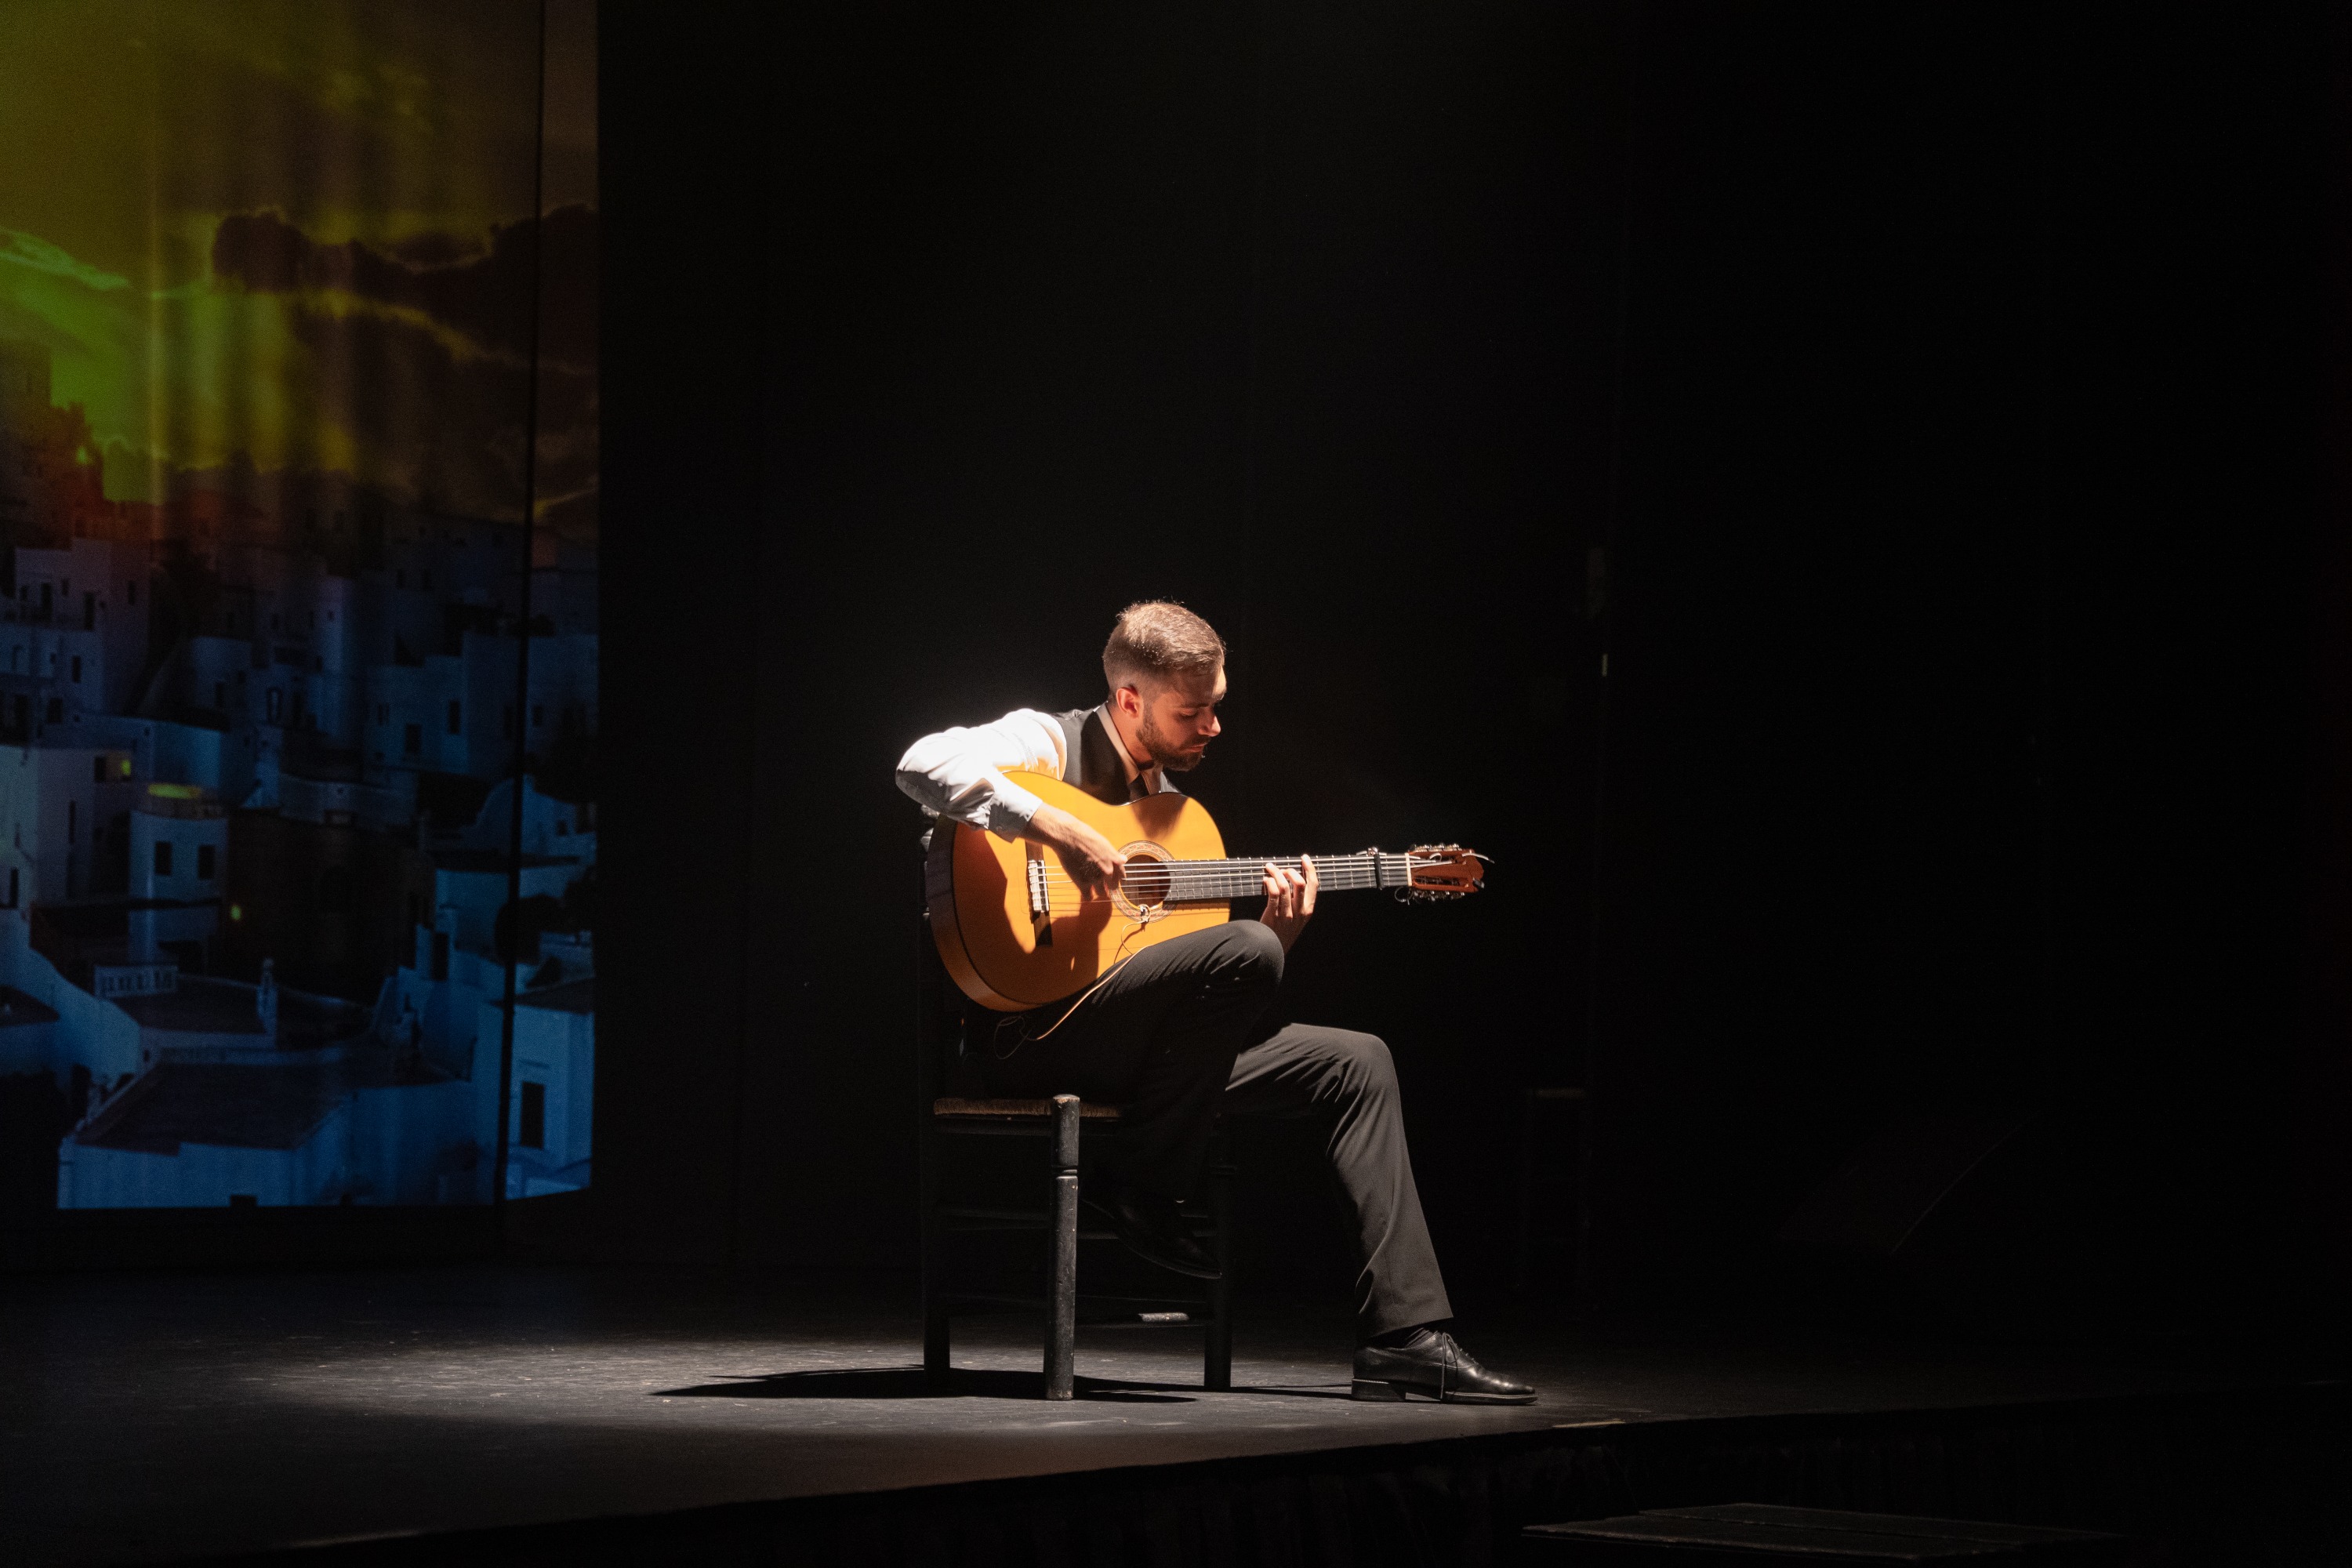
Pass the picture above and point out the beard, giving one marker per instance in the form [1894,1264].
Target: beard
[1159,750]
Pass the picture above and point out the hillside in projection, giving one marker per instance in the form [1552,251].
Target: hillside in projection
[298,553]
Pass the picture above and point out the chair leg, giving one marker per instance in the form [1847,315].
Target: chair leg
[1062,1301]
[1217,1355]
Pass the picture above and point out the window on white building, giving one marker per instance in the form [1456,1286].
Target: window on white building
[163,857]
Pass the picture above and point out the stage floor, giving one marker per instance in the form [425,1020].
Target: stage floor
[156,1416]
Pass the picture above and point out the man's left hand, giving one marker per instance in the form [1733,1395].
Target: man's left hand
[1290,898]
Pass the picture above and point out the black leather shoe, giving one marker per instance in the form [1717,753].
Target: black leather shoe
[1150,1227]
[1433,1367]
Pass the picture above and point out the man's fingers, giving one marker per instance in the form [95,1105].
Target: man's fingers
[1280,899]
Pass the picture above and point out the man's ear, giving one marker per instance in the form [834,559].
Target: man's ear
[1127,700]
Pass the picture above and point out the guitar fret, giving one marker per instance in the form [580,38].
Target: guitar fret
[1202,881]
[1207,881]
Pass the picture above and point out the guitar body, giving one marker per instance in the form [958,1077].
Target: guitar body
[1008,951]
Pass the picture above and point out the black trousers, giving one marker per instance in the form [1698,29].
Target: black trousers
[1178,1037]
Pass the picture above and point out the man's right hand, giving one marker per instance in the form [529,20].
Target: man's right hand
[1089,858]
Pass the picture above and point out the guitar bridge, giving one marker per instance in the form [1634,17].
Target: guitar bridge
[1038,909]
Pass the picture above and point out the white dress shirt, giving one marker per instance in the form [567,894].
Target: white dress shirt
[959,774]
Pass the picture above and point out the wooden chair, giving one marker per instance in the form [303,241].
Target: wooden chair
[943,1062]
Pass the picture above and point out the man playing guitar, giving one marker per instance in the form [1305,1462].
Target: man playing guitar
[1178,1034]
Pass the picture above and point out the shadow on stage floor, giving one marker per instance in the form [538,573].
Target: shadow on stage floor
[542,1415]
[910,1382]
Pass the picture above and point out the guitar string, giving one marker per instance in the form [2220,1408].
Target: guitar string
[1210,879]
[1335,865]
[1252,877]
[1246,881]
[1216,881]
[1058,899]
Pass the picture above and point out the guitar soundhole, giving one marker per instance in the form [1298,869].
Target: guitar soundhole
[1147,882]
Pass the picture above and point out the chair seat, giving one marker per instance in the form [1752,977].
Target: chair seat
[950,1108]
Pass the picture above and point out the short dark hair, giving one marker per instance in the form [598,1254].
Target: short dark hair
[1156,639]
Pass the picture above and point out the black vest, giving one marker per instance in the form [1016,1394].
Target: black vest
[1093,761]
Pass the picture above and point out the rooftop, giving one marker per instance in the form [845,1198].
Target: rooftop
[571,996]
[191,802]
[208,1007]
[275,1105]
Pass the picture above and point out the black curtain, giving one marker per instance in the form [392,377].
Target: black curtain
[1920,412]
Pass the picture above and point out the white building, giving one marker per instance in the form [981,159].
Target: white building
[331,699]
[63,808]
[551,1109]
[79,625]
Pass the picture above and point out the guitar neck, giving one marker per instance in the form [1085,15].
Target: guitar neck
[1201,880]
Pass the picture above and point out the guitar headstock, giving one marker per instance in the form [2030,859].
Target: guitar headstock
[1446,871]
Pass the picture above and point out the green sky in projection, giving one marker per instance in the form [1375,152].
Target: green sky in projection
[270,230]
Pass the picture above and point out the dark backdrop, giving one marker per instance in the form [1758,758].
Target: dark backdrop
[1923,414]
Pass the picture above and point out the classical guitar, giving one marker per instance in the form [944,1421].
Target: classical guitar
[1015,932]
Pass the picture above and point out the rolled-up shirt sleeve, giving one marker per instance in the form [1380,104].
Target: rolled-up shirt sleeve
[959,774]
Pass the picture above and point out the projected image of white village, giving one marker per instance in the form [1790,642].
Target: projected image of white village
[298,653]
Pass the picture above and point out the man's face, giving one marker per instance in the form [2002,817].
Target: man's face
[1178,717]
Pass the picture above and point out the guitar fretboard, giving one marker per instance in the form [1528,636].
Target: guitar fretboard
[1207,881]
